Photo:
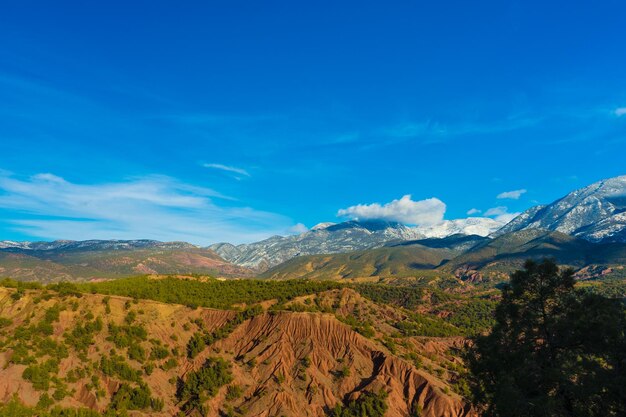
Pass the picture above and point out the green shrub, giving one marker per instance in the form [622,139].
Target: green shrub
[367,405]
[204,383]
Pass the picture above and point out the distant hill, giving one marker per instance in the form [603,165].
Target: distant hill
[83,260]
[397,261]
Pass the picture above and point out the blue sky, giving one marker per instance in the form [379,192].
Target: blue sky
[238,120]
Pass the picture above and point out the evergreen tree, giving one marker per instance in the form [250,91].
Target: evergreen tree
[554,350]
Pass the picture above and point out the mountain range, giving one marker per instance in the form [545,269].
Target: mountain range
[327,238]
[584,229]
[596,213]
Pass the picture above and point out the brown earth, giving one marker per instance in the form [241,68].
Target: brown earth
[267,355]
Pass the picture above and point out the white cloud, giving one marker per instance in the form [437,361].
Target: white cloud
[473,211]
[152,207]
[298,228]
[501,214]
[228,168]
[513,195]
[404,210]
[620,111]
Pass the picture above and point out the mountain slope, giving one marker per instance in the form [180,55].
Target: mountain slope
[596,213]
[458,243]
[399,261]
[508,252]
[71,261]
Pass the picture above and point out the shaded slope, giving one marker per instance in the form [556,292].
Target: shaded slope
[513,248]
[508,252]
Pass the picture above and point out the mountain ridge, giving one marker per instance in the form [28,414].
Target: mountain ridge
[352,235]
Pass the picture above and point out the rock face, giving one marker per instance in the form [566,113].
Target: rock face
[596,213]
[280,342]
[329,238]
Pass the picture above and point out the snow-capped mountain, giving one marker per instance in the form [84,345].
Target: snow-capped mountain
[596,213]
[326,238]
[481,226]
[323,238]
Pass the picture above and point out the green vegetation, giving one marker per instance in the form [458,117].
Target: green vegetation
[134,398]
[473,316]
[126,335]
[421,325]
[367,405]
[233,392]
[209,293]
[81,336]
[203,384]
[554,350]
[159,352]
[365,329]
[199,341]
[40,375]
[408,297]
[14,408]
[115,365]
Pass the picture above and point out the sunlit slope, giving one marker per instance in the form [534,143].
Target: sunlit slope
[399,261]
[77,265]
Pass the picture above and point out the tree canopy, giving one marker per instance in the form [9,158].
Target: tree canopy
[554,350]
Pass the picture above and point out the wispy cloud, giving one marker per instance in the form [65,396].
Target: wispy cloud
[473,211]
[620,111]
[228,168]
[512,195]
[404,210]
[155,207]
[435,131]
[501,214]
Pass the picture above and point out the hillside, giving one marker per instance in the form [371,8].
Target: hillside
[79,261]
[109,353]
[398,261]
[506,253]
